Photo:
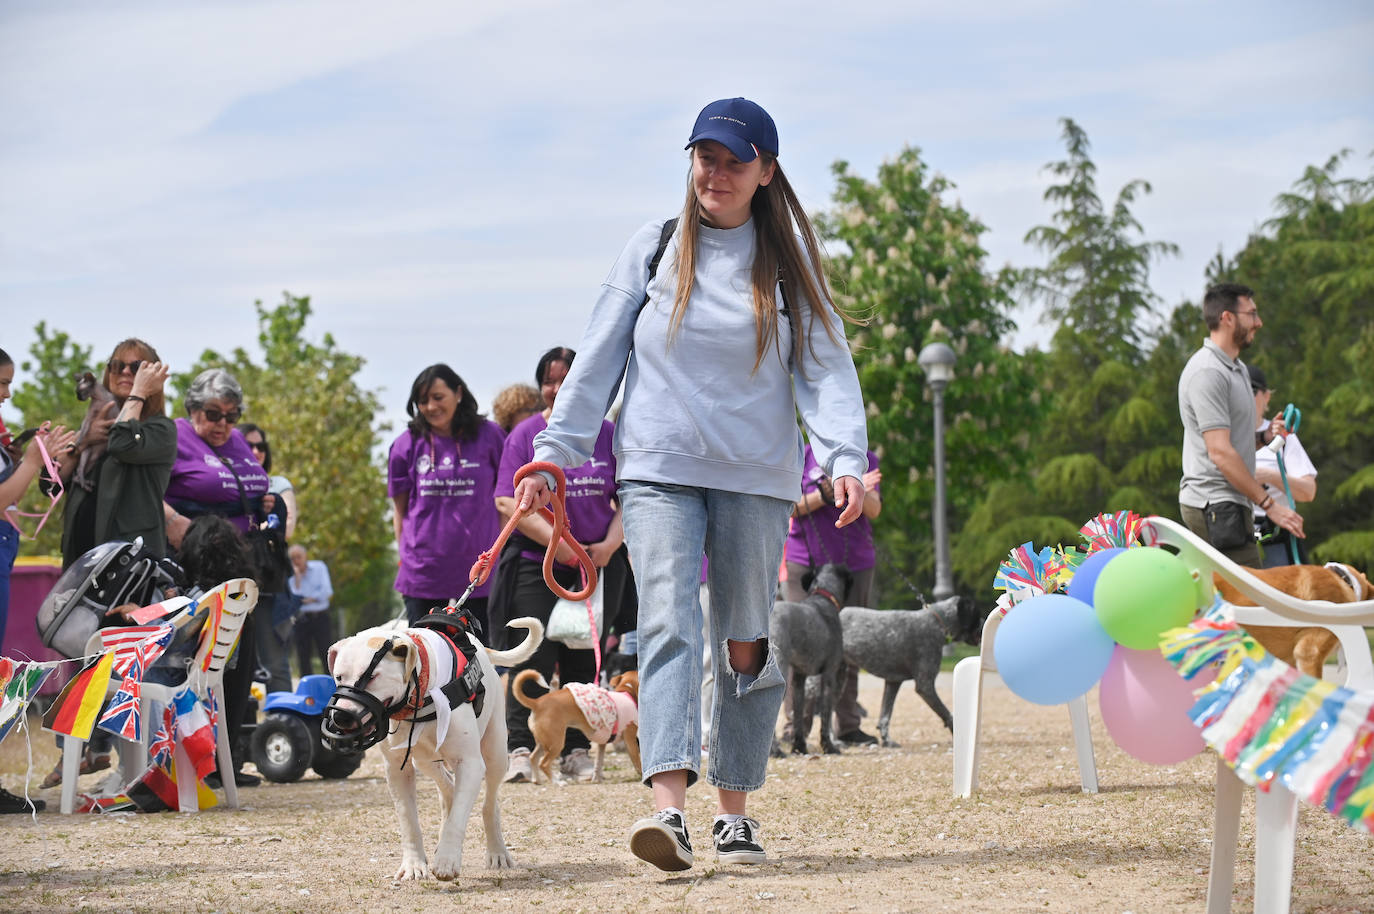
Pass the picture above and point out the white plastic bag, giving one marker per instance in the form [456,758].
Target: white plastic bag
[578,624]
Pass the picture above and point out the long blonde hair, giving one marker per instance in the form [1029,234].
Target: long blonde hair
[778,258]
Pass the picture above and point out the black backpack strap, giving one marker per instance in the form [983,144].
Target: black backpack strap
[664,237]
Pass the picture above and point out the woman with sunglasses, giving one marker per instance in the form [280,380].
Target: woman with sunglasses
[216,473]
[130,477]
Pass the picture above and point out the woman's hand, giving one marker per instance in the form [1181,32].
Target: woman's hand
[532,493]
[849,497]
[58,440]
[601,553]
[150,378]
[177,525]
[871,479]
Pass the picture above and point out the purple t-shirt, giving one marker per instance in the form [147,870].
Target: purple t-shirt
[203,474]
[590,486]
[813,540]
[450,517]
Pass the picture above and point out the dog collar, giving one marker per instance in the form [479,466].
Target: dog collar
[821,591]
[1344,573]
[949,635]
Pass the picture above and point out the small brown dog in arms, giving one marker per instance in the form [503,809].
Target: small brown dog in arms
[1305,648]
[602,714]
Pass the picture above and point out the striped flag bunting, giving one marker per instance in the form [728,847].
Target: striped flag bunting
[77,707]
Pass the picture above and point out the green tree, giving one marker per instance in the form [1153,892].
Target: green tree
[46,392]
[911,262]
[1110,439]
[1312,268]
[325,438]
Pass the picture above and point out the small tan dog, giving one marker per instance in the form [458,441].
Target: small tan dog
[602,714]
[1304,648]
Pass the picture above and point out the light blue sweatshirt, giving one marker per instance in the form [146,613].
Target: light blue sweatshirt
[694,412]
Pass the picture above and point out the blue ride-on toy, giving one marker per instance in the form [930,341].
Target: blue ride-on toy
[286,741]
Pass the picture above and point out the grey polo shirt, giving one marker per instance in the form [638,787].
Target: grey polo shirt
[1214,392]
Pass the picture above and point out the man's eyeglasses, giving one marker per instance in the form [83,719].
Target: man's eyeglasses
[1253,312]
[213,415]
[117,366]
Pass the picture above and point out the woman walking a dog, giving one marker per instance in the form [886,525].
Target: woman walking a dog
[441,473]
[726,342]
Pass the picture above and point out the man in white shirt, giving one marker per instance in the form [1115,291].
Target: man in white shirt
[1302,479]
[309,580]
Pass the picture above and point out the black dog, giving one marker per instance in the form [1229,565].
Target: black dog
[896,645]
[807,641]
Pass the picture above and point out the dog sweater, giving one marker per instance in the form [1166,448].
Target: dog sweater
[607,712]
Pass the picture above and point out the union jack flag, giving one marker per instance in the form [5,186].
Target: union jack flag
[164,743]
[122,716]
[143,643]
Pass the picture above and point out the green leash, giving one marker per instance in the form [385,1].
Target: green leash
[1292,418]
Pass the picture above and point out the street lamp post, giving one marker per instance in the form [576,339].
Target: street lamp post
[937,361]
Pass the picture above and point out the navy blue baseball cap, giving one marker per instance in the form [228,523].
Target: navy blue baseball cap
[739,125]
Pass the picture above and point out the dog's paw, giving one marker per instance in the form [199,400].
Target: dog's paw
[446,866]
[831,749]
[799,750]
[500,859]
[889,744]
[412,868]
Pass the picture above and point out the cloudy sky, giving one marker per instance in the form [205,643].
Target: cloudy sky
[451,181]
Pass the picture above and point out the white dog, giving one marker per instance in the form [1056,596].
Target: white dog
[383,678]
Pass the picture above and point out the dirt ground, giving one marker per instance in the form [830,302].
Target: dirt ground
[869,830]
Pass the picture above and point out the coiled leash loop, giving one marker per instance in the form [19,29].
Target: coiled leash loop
[481,569]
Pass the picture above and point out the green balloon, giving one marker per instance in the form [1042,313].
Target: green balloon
[1142,593]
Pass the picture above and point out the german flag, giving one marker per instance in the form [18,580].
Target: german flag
[77,708]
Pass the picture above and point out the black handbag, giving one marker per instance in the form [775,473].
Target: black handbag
[1229,524]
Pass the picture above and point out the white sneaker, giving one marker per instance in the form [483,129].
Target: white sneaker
[518,769]
[578,765]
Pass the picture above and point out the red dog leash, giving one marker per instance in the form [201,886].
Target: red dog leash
[481,569]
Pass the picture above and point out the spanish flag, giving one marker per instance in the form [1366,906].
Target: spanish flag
[77,708]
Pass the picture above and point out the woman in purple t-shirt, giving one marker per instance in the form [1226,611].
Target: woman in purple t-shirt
[441,474]
[813,540]
[594,517]
[216,473]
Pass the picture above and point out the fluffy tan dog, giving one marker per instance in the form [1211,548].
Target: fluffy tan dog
[1304,648]
[553,713]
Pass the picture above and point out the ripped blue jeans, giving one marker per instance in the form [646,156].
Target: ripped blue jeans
[667,528]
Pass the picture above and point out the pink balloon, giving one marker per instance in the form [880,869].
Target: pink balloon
[1145,704]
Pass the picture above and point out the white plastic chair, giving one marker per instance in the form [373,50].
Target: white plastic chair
[218,638]
[968,712]
[1276,810]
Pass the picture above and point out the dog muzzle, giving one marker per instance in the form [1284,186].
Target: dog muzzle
[349,730]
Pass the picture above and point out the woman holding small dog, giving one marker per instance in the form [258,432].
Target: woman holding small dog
[139,445]
[441,473]
[594,518]
[719,349]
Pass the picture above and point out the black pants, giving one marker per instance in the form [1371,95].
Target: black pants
[313,636]
[238,687]
[532,597]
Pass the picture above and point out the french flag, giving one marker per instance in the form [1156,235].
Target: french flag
[195,732]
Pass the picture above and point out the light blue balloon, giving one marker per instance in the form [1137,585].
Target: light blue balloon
[1051,649]
[1085,575]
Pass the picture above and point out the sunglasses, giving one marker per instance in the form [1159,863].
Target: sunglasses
[258,445]
[117,366]
[213,415]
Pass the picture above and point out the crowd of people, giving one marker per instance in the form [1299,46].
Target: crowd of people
[701,492]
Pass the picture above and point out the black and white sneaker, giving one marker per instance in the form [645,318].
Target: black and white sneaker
[738,841]
[662,840]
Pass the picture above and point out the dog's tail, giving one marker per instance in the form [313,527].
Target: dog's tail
[517,686]
[526,649]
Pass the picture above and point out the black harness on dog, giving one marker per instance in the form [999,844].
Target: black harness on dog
[349,732]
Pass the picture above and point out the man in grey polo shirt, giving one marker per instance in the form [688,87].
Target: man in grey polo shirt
[1219,437]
